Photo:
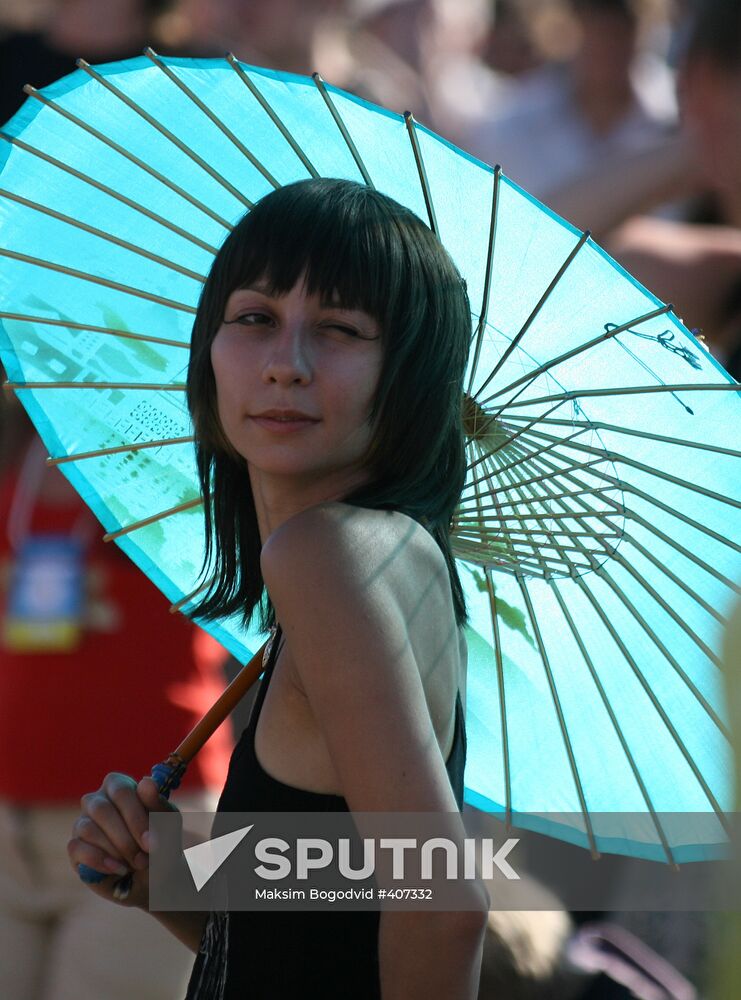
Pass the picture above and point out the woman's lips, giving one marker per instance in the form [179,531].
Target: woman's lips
[283,426]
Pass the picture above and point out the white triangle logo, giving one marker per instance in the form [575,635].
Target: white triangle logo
[204,860]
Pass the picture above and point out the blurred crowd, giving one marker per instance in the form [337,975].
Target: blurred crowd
[624,116]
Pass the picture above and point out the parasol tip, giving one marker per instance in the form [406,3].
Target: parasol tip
[29,89]
[82,63]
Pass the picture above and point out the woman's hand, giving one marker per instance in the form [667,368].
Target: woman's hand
[112,835]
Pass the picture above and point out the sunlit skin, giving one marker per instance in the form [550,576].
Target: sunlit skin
[296,352]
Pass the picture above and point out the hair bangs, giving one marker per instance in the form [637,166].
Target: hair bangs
[346,243]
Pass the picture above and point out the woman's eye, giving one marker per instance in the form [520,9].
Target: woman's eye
[348,330]
[252,319]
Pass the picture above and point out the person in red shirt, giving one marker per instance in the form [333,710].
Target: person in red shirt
[84,636]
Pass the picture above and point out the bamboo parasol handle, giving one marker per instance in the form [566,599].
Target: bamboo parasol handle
[170,771]
[179,759]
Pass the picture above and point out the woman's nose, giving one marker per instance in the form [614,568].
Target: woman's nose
[288,359]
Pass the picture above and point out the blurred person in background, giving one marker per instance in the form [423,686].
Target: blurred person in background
[375,49]
[277,34]
[569,117]
[41,49]
[696,263]
[84,639]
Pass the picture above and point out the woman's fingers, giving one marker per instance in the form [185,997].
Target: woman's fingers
[150,797]
[123,887]
[81,852]
[88,832]
[120,817]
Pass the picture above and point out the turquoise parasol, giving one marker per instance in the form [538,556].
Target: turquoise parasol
[598,533]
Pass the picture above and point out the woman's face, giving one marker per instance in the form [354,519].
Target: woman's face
[295,352]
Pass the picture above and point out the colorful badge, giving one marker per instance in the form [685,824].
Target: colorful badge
[45,602]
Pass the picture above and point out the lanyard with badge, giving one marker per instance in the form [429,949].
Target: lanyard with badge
[46,596]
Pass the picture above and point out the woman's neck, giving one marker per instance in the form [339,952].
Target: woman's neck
[278,498]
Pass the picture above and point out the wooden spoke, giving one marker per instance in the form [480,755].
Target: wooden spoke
[179,508]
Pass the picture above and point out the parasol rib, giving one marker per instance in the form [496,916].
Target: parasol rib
[616,725]
[618,458]
[668,609]
[579,546]
[533,537]
[677,580]
[69,325]
[177,509]
[628,390]
[131,157]
[514,435]
[319,83]
[101,234]
[634,516]
[512,486]
[627,487]
[656,703]
[83,276]
[544,498]
[603,575]
[118,449]
[502,700]
[424,183]
[104,189]
[203,107]
[600,425]
[272,115]
[687,553]
[479,333]
[159,127]
[599,569]
[576,351]
[537,479]
[189,597]
[139,386]
[559,714]
[636,491]
[665,569]
[539,305]
[539,450]
[542,516]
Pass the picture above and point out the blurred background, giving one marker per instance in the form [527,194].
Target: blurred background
[624,116]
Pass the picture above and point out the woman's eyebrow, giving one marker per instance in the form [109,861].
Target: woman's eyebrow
[255,286]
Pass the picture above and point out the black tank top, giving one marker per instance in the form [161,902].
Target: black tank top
[292,954]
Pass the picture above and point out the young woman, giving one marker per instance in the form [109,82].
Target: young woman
[325,386]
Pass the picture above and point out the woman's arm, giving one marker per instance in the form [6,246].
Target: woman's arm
[187,927]
[629,184]
[431,955]
[335,575]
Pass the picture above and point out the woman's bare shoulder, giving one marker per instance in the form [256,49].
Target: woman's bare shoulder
[360,538]
[352,590]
